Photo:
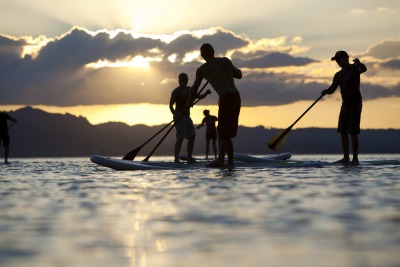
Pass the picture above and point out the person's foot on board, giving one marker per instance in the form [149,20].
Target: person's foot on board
[191,161]
[7,163]
[343,161]
[215,164]
[177,161]
[354,162]
[229,166]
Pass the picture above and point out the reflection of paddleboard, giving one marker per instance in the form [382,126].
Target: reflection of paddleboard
[118,164]
[247,158]
[368,162]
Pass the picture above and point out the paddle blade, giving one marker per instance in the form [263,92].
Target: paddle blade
[132,154]
[277,141]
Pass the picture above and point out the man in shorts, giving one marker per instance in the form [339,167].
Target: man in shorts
[4,137]
[183,124]
[348,78]
[220,73]
[211,131]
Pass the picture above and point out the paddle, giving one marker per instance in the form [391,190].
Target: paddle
[11,125]
[277,141]
[132,154]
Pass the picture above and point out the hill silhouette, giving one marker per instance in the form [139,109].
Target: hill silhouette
[42,134]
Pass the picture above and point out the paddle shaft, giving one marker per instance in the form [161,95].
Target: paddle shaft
[175,121]
[304,113]
[11,125]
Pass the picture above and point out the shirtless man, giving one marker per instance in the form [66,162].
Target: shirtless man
[220,73]
[184,126]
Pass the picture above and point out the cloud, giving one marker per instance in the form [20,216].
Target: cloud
[274,60]
[384,50]
[392,64]
[10,50]
[82,67]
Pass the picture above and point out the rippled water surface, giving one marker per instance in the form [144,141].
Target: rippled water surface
[70,212]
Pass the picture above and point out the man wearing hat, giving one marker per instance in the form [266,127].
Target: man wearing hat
[348,78]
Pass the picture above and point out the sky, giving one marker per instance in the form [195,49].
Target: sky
[120,60]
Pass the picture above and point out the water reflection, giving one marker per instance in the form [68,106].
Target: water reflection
[77,214]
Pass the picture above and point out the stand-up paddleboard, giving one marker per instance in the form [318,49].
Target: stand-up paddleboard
[248,158]
[123,165]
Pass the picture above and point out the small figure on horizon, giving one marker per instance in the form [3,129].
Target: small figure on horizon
[211,131]
[4,137]
[350,112]
[220,73]
[183,124]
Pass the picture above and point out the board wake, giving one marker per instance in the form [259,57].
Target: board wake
[382,162]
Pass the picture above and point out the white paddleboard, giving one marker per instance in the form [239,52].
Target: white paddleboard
[119,164]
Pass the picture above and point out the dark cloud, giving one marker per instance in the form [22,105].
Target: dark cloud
[10,51]
[373,91]
[392,64]
[274,60]
[385,50]
[221,40]
[58,76]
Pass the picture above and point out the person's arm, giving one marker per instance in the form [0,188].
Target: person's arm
[172,102]
[194,88]
[237,73]
[361,67]
[331,88]
[201,96]
[201,124]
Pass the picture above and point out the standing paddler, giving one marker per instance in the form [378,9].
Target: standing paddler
[220,73]
[350,112]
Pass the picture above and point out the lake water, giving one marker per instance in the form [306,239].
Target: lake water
[69,212]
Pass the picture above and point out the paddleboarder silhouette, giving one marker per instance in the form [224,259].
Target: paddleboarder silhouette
[350,112]
[4,136]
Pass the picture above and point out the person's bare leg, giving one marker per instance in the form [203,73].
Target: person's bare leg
[229,152]
[214,147]
[345,148]
[190,146]
[177,150]
[6,152]
[354,145]
[219,162]
[207,147]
